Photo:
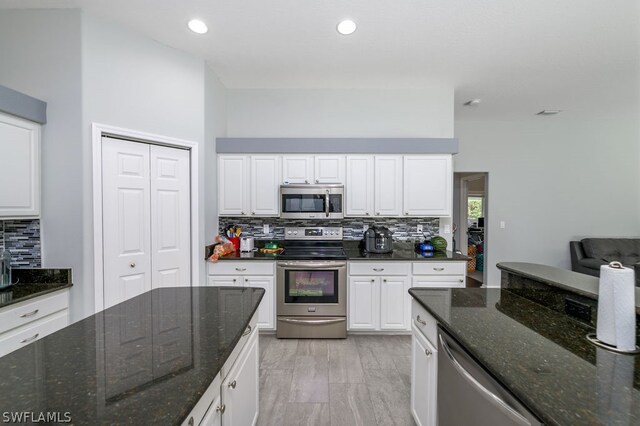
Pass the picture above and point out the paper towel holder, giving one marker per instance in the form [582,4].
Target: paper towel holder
[615,264]
[593,339]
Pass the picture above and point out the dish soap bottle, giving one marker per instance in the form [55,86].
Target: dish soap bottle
[5,269]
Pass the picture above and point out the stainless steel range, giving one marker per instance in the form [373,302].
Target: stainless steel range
[311,284]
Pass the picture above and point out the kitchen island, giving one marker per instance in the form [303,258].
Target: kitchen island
[158,358]
[540,355]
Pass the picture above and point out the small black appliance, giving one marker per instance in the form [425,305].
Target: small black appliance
[377,239]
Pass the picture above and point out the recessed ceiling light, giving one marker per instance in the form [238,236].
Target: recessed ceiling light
[347,27]
[549,112]
[197,26]
[472,102]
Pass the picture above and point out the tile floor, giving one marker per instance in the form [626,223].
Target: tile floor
[363,380]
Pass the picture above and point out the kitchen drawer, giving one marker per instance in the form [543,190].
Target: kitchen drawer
[379,268]
[248,267]
[435,281]
[22,336]
[424,322]
[31,310]
[439,268]
[251,328]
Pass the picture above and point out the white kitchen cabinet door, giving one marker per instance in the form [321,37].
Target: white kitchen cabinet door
[424,380]
[266,311]
[213,417]
[359,186]
[394,303]
[240,388]
[233,185]
[297,169]
[224,281]
[388,185]
[126,214]
[364,303]
[329,169]
[265,185]
[20,170]
[170,217]
[428,186]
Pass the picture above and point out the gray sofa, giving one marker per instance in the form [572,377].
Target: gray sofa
[589,254]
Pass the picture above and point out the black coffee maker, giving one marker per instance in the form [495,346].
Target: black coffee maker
[377,239]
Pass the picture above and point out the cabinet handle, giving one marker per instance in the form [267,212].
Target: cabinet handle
[373,280]
[367,214]
[461,280]
[427,352]
[244,334]
[306,181]
[132,264]
[242,213]
[421,321]
[253,213]
[438,269]
[384,280]
[377,213]
[406,213]
[317,180]
[234,280]
[191,422]
[220,408]
[378,269]
[30,339]
[232,385]
[241,269]
[30,314]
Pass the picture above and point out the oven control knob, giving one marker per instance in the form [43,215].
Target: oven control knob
[289,232]
[295,232]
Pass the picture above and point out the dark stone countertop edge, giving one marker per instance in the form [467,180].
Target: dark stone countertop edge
[443,324]
[48,288]
[585,285]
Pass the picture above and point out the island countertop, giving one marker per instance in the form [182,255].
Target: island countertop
[147,360]
[541,355]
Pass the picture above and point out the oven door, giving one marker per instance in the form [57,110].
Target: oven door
[309,202]
[311,288]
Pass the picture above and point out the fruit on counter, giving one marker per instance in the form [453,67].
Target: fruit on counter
[438,243]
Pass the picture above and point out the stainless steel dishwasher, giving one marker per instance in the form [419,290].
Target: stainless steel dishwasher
[468,395]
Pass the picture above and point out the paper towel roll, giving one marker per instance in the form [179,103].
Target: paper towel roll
[617,307]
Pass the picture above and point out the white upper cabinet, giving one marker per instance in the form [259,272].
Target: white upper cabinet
[428,185]
[233,185]
[359,185]
[297,169]
[329,168]
[20,170]
[265,183]
[388,185]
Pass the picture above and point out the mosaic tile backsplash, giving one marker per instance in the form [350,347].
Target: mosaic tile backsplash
[403,228]
[22,239]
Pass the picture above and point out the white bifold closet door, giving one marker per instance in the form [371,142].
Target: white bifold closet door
[145,217]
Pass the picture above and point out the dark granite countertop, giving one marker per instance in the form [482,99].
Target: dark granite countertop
[145,361]
[575,282]
[31,283]
[541,355]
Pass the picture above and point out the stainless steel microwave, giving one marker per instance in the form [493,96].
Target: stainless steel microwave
[303,201]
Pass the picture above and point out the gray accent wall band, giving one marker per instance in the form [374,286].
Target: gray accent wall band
[337,145]
[23,106]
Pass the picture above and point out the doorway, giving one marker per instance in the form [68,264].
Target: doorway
[471,190]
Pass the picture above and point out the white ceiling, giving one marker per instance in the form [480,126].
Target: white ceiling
[518,56]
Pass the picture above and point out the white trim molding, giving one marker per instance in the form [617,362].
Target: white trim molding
[97,132]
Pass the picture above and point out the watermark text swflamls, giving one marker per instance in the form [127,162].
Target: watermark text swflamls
[36,417]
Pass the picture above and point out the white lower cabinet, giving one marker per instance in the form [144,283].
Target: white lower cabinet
[233,399]
[394,303]
[424,380]
[249,274]
[378,303]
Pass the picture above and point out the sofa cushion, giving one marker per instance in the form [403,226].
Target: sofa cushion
[625,250]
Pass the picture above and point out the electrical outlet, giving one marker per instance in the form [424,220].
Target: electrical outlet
[419,228]
[365,227]
[265,229]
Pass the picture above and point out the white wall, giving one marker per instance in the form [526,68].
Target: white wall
[340,112]
[215,126]
[552,181]
[41,57]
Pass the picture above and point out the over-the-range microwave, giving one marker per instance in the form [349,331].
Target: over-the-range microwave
[304,201]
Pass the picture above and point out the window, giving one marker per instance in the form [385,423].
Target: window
[475,207]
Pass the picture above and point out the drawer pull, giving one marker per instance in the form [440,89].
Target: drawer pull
[241,269]
[220,408]
[438,269]
[132,264]
[191,422]
[232,385]
[461,280]
[421,321]
[378,269]
[427,352]
[248,331]
[30,339]
[30,314]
